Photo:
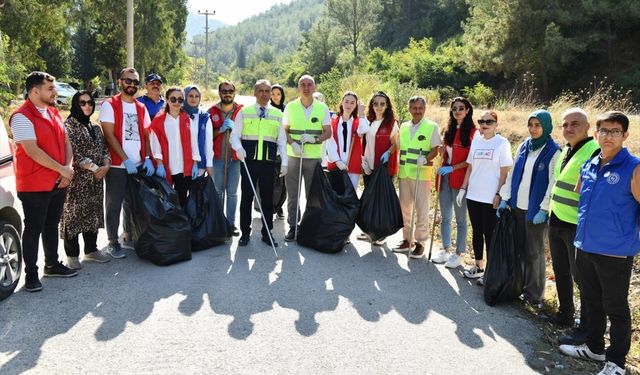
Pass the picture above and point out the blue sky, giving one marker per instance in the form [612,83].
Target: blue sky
[232,12]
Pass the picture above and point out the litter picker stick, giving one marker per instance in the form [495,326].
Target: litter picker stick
[299,187]
[415,199]
[226,162]
[435,214]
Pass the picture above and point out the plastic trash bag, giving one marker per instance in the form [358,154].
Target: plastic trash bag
[331,212]
[161,229]
[380,214]
[503,277]
[209,225]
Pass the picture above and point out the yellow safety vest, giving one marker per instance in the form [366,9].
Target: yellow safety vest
[410,149]
[260,135]
[299,124]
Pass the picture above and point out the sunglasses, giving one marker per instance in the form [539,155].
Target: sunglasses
[173,99]
[85,102]
[488,122]
[131,82]
[457,109]
[227,91]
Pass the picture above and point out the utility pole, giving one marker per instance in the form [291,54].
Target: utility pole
[195,60]
[130,55]
[206,13]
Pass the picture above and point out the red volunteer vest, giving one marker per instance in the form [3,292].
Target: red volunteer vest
[116,104]
[217,118]
[355,159]
[459,154]
[50,137]
[382,144]
[157,126]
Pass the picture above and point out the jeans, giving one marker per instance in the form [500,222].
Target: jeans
[42,212]
[447,198]
[231,189]
[605,284]
[116,200]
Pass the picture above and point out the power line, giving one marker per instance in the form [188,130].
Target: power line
[206,13]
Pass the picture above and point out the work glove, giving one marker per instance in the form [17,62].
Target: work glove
[297,149]
[160,172]
[384,158]
[241,154]
[307,138]
[365,167]
[460,197]
[422,160]
[540,217]
[283,170]
[443,171]
[194,171]
[501,207]
[130,166]
[341,165]
[148,166]
[228,124]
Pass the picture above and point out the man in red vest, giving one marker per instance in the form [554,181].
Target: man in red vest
[124,121]
[43,172]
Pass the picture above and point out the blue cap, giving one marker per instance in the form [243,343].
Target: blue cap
[153,77]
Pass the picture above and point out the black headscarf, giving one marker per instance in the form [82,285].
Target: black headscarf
[76,110]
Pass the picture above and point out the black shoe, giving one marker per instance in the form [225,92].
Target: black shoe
[560,320]
[244,241]
[575,336]
[266,240]
[280,214]
[235,232]
[291,235]
[59,270]
[32,285]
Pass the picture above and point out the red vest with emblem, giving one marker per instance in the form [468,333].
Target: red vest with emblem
[50,137]
[355,159]
[116,104]
[217,118]
[382,144]
[459,154]
[157,126]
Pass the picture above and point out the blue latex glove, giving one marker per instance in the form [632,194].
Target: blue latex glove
[130,166]
[443,171]
[148,166]
[160,172]
[540,217]
[228,124]
[384,158]
[502,206]
[194,171]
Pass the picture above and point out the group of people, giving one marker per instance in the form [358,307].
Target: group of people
[552,191]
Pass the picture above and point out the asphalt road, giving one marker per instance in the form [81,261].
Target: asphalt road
[236,310]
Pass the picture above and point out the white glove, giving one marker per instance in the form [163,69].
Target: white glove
[365,167]
[341,165]
[308,138]
[283,170]
[297,149]
[460,197]
[241,154]
[422,160]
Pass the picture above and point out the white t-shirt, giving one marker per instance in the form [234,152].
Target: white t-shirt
[174,141]
[22,128]
[486,157]
[370,148]
[336,151]
[132,141]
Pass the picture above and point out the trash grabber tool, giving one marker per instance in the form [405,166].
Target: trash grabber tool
[264,219]
[226,162]
[415,198]
[299,187]
[435,214]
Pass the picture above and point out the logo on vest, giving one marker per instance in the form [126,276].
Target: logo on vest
[612,178]
[215,118]
[541,167]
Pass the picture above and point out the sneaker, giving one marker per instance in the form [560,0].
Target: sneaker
[402,247]
[280,214]
[611,368]
[379,242]
[266,240]
[291,235]
[441,257]
[480,281]
[33,285]
[59,270]
[363,237]
[243,241]
[418,251]
[96,256]
[454,261]
[575,336]
[235,232]
[581,352]
[115,250]
[560,320]
[474,273]
[73,263]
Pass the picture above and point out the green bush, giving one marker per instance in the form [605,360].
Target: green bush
[479,95]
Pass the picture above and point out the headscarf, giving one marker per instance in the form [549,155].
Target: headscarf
[191,111]
[76,110]
[545,120]
[281,105]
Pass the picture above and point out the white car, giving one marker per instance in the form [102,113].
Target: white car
[65,93]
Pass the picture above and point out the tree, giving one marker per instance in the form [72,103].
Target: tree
[319,47]
[358,18]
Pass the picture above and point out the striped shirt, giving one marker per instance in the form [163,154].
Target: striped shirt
[22,128]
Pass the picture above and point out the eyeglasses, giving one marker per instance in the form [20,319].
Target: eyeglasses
[379,104]
[173,99]
[85,102]
[131,82]
[458,109]
[223,92]
[614,133]
[488,122]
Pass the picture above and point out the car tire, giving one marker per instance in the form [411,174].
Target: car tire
[10,259]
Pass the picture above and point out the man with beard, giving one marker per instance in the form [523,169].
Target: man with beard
[124,121]
[226,166]
[152,99]
[43,171]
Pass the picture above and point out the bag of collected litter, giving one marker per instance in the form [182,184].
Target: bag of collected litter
[209,225]
[161,229]
[380,214]
[331,212]
[503,276]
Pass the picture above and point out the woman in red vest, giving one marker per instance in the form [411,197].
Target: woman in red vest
[457,143]
[344,148]
[175,152]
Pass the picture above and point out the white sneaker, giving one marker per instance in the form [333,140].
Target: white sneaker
[97,256]
[454,261]
[474,273]
[582,352]
[73,263]
[611,368]
[441,257]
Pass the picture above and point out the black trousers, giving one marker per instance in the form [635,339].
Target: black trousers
[72,247]
[263,177]
[483,220]
[182,185]
[605,284]
[42,212]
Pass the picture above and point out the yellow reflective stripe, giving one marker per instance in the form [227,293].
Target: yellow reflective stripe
[249,115]
[249,137]
[300,132]
[274,118]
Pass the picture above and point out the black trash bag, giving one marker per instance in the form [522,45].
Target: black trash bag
[380,213]
[209,225]
[503,280]
[331,212]
[161,229]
